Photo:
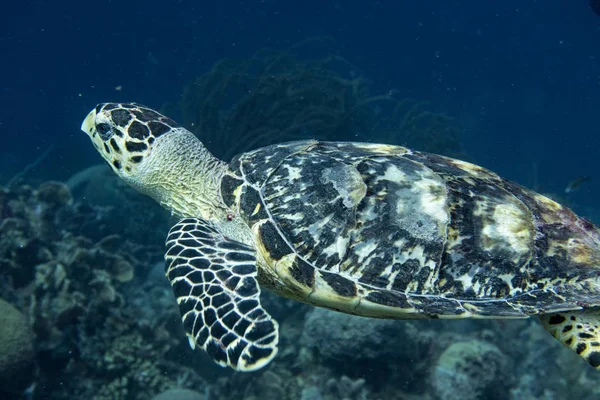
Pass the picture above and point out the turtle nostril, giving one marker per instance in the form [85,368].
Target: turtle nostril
[104,130]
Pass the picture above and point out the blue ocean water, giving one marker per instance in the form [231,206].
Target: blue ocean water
[521,77]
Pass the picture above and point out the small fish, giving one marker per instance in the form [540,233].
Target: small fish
[576,183]
[595,5]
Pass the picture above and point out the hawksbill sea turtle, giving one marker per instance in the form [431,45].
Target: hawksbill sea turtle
[368,229]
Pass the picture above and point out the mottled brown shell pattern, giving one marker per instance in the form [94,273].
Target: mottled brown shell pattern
[384,231]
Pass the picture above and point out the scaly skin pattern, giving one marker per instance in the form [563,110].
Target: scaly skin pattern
[157,157]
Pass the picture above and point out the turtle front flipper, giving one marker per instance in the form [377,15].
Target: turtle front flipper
[214,281]
[578,330]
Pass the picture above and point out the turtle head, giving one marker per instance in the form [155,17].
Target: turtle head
[125,134]
[156,156]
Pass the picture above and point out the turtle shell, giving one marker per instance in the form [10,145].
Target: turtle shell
[384,231]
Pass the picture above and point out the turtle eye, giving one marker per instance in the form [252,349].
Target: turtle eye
[104,130]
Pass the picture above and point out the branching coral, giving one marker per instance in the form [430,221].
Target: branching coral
[75,292]
[276,96]
[411,123]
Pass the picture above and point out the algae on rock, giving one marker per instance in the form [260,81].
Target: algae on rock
[17,356]
[471,370]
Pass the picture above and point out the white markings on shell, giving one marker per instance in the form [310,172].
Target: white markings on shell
[314,229]
[364,249]
[433,199]
[394,174]
[420,210]
[346,180]
[294,173]
[507,227]
[339,247]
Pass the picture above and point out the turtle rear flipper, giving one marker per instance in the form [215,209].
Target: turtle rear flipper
[214,281]
[578,330]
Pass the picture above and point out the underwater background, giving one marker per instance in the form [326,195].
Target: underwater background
[85,311]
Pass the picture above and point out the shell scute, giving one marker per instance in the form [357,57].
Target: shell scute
[417,232]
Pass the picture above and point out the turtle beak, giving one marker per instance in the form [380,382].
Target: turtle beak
[88,123]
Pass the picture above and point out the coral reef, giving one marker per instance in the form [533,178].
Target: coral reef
[16,350]
[86,301]
[106,327]
[346,338]
[179,394]
[471,370]
[471,359]
[107,205]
